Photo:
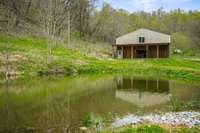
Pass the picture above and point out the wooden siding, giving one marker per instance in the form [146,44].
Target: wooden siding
[163,51]
[127,52]
[152,51]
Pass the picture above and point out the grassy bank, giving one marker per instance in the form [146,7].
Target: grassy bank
[155,129]
[28,56]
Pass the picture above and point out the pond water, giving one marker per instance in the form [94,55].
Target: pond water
[59,104]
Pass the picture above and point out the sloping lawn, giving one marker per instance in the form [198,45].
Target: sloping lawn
[28,56]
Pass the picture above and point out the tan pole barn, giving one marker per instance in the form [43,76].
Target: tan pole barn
[142,43]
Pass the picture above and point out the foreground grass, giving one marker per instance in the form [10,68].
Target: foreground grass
[28,56]
[155,129]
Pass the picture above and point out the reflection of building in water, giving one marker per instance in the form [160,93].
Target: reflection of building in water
[143,92]
[148,85]
[143,99]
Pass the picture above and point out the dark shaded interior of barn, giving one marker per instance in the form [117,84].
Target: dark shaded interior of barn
[144,51]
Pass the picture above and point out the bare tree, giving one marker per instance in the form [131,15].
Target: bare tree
[69,28]
[53,20]
[4,28]
[19,10]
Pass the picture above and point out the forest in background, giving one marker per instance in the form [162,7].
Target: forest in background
[86,19]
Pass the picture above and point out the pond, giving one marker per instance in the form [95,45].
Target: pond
[60,104]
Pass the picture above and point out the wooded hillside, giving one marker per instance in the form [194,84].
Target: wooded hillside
[56,18]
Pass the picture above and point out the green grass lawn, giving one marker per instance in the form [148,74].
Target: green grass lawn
[28,56]
[155,129]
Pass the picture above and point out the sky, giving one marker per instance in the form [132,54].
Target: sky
[151,5]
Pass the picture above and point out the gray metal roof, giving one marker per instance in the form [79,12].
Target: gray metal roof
[151,37]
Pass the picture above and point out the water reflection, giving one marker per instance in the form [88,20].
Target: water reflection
[60,104]
[149,85]
[143,92]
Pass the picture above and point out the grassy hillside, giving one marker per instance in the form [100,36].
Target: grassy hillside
[28,56]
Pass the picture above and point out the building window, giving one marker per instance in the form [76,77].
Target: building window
[141,40]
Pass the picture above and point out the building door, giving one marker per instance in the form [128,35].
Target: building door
[127,52]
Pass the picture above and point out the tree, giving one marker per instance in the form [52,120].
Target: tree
[57,17]
[180,41]
[54,14]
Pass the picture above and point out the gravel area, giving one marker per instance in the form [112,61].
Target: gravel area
[188,119]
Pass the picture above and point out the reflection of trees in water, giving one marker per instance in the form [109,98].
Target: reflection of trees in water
[57,116]
[184,91]
[5,114]
[66,110]
[142,85]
